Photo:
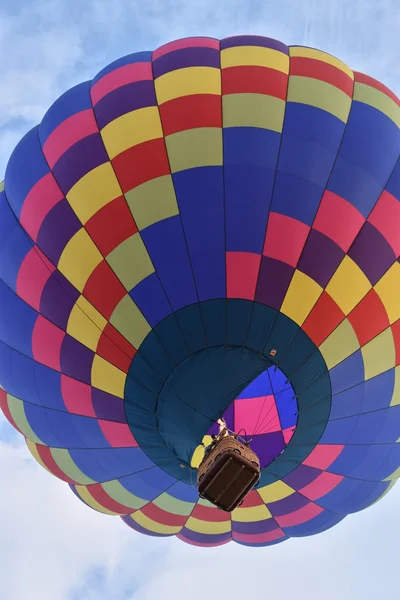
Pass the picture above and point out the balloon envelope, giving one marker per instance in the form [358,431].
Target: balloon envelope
[210,228]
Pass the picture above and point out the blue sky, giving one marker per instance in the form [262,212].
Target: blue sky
[52,546]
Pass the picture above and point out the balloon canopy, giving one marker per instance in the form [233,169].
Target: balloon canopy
[210,228]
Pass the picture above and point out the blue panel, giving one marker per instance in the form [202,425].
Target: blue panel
[348,403]
[140,488]
[313,124]
[369,426]
[17,321]
[166,246]
[191,324]
[352,495]
[370,466]
[296,197]
[390,428]
[287,408]
[378,392]
[157,479]
[136,57]
[101,464]
[261,386]
[200,196]
[371,142]
[306,159]
[339,431]
[393,186]
[48,387]
[150,297]
[251,146]
[73,101]
[89,432]
[183,491]
[36,416]
[318,524]
[17,374]
[350,459]
[13,250]
[8,222]
[348,373]
[25,168]
[390,464]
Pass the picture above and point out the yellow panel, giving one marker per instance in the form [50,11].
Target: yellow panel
[132,129]
[339,345]
[254,56]
[348,285]
[153,201]
[96,189]
[108,378]
[251,514]
[117,492]
[63,459]
[130,322]
[33,450]
[396,392]
[253,110]
[88,498]
[195,148]
[319,55]
[173,505]
[188,81]
[85,323]
[209,527]
[131,262]
[388,290]
[300,298]
[379,354]
[275,491]
[79,259]
[377,99]
[151,525]
[320,94]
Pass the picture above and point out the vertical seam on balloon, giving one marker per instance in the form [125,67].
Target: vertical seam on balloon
[180,216]
[224,192]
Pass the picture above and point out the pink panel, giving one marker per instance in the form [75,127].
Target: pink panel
[119,77]
[196,42]
[386,218]
[43,196]
[285,238]
[77,397]
[288,434]
[258,538]
[33,275]
[201,544]
[300,516]
[46,343]
[322,485]
[69,132]
[338,219]
[242,272]
[323,456]
[118,434]
[257,415]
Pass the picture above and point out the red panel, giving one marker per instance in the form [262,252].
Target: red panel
[100,495]
[189,112]
[195,42]
[104,290]
[33,274]
[323,456]
[115,348]
[258,538]
[210,514]
[386,218]
[323,319]
[366,80]
[141,163]
[369,318]
[317,69]
[159,515]
[396,337]
[6,410]
[77,397]
[47,340]
[44,195]
[119,77]
[111,225]
[252,499]
[68,133]
[338,219]
[254,80]
[47,458]
[285,238]
[242,270]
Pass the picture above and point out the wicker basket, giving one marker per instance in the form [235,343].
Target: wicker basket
[222,446]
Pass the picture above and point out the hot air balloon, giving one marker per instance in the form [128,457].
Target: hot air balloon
[208,229]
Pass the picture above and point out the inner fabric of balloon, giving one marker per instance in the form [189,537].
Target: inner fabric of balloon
[264,415]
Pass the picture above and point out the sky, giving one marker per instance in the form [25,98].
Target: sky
[52,547]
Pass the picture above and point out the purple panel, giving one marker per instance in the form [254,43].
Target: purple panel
[273,282]
[76,360]
[57,229]
[253,40]
[57,300]
[301,477]
[287,505]
[254,527]
[123,100]
[108,407]
[268,446]
[372,253]
[320,258]
[204,538]
[186,57]
[82,157]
